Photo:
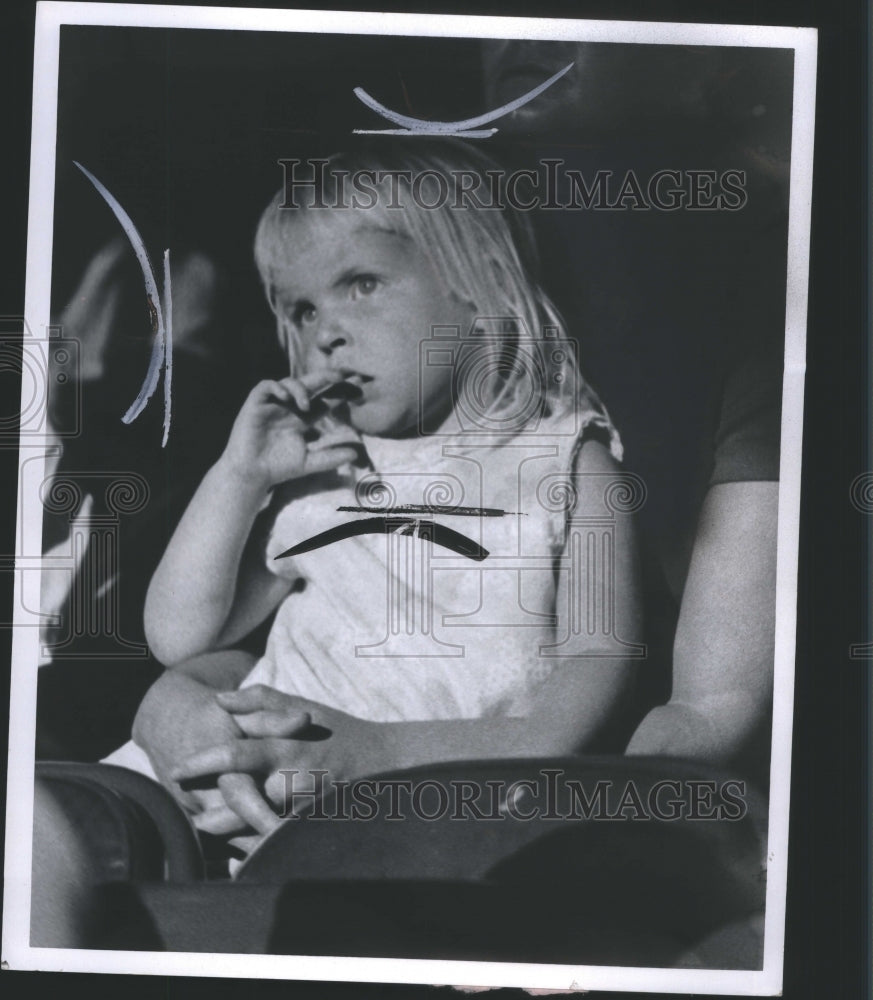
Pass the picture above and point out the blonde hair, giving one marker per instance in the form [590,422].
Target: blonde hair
[485,255]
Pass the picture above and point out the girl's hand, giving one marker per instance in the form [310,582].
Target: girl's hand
[268,442]
[285,734]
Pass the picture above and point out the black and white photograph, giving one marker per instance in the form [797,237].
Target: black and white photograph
[408,498]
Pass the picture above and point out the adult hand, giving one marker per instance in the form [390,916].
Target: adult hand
[672,730]
[711,729]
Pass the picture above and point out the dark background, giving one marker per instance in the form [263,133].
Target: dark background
[828,934]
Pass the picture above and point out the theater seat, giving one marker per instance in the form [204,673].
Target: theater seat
[625,885]
[134,825]
[629,807]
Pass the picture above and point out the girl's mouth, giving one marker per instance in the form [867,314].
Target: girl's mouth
[353,386]
[349,389]
[332,397]
[344,392]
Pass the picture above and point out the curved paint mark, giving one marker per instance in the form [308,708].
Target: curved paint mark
[437,534]
[483,133]
[150,382]
[419,508]
[168,350]
[421,126]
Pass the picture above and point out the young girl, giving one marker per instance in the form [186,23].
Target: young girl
[459,406]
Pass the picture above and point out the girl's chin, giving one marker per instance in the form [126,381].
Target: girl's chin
[369,419]
[366,419]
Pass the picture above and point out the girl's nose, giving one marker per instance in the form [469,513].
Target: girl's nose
[331,334]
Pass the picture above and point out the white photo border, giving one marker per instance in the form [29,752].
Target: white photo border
[17,952]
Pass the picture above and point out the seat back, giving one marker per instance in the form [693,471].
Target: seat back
[135,827]
[657,851]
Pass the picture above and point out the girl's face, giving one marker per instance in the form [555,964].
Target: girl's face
[361,299]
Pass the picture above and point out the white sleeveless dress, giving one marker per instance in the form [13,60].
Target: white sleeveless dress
[393,627]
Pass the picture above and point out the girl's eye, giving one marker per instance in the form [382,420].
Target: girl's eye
[365,284]
[306,314]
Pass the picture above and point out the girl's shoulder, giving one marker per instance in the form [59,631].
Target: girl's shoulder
[580,435]
[584,470]
[594,423]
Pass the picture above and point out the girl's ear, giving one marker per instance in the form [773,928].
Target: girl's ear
[473,314]
[467,303]
[476,326]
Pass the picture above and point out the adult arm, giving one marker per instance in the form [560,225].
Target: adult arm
[723,651]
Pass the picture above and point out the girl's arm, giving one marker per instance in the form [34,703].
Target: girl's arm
[211,587]
[179,714]
[204,595]
[581,700]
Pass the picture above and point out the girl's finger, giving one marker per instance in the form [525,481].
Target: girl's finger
[283,392]
[317,379]
[241,794]
[298,393]
[245,845]
[207,798]
[254,698]
[251,756]
[290,789]
[285,723]
[268,389]
[329,458]
[277,790]
[220,821]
